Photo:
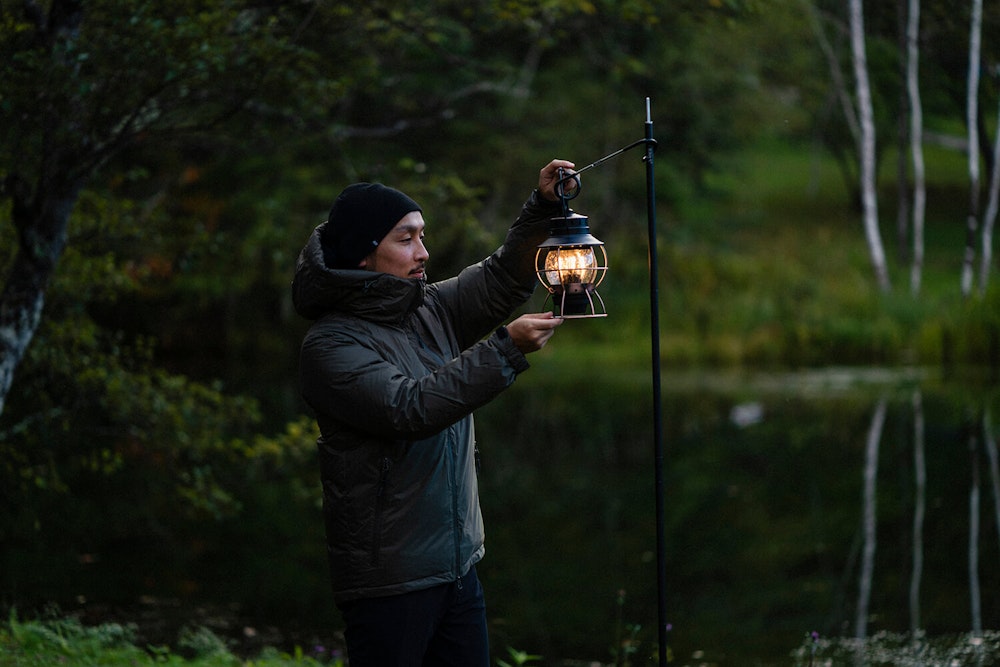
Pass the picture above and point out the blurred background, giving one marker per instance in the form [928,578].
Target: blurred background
[829,359]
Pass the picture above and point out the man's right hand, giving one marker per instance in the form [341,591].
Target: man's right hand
[532,331]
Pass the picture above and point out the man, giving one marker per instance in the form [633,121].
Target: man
[393,368]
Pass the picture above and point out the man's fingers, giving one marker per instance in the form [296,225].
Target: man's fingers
[544,320]
[530,332]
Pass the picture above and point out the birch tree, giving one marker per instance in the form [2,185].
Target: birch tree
[993,203]
[866,147]
[916,142]
[902,138]
[972,122]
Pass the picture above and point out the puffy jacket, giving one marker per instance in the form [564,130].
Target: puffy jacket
[393,369]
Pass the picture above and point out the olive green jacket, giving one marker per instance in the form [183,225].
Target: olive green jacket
[393,369]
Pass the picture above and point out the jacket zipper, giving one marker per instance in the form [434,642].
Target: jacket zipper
[454,506]
[379,505]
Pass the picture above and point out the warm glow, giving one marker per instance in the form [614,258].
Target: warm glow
[565,266]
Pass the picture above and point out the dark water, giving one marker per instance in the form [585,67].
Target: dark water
[846,502]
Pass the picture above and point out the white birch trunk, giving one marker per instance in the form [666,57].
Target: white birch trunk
[990,217]
[902,139]
[972,121]
[23,293]
[866,148]
[916,143]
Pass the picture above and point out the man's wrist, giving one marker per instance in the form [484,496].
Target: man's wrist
[509,349]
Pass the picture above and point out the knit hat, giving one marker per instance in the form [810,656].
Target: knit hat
[360,218]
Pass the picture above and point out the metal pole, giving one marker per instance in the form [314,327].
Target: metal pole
[654,326]
[654,322]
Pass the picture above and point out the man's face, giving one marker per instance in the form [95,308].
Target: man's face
[401,252]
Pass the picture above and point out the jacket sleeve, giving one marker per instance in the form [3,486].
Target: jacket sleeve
[483,295]
[349,379]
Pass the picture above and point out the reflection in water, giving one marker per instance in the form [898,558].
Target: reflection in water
[771,530]
[976,649]
[919,509]
[991,452]
[869,507]
[975,596]
[835,502]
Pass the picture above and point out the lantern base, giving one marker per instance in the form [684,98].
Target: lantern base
[578,304]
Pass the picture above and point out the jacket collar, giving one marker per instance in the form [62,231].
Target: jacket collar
[377,297]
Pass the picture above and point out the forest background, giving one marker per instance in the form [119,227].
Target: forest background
[164,162]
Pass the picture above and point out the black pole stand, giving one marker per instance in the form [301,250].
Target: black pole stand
[654,322]
[654,330]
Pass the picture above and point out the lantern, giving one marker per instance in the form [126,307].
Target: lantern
[571,263]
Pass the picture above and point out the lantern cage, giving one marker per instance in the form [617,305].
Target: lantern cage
[570,264]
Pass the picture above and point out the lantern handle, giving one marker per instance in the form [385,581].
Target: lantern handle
[560,189]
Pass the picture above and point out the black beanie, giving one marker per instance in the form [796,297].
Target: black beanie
[360,218]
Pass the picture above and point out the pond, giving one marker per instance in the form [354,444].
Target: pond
[845,502]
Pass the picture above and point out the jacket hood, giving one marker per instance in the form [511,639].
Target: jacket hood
[378,297]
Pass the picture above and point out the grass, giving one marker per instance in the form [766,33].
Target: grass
[67,642]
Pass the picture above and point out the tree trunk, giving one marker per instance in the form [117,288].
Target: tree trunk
[990,217]
[40,211]
[41,227]
[902,141]
[866,148]
[833,63]
[972,121]
[916,143]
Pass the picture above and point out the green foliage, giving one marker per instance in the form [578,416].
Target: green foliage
[518,658]
[190,66]
[975,331]
[628,647]
[158,401]
[91,398]
[65,641]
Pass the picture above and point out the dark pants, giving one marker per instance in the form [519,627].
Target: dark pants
[443,626]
